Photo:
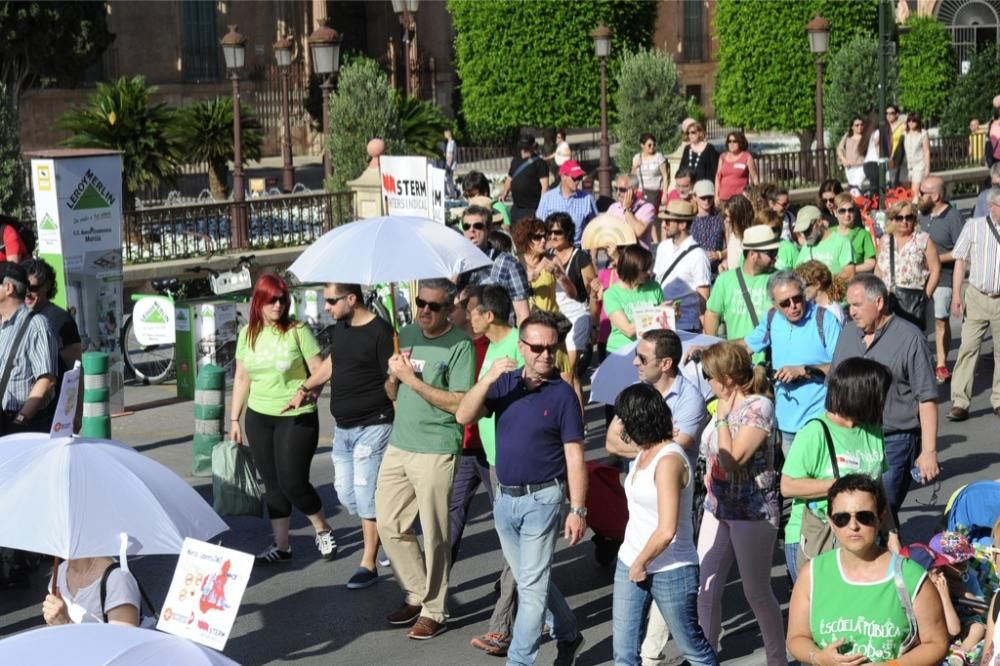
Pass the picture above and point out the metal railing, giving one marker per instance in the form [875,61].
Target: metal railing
[178,232]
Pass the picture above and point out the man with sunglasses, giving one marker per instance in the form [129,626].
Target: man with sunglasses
[505,270]
[569,198]
[539,447]
[822,245]
[682,267]
[631,207]
[427,381]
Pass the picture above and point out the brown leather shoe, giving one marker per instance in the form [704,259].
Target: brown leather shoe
[425,629]
[958,414]
[403,615]
[996,411]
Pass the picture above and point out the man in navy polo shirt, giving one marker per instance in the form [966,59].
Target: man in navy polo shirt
[539,453]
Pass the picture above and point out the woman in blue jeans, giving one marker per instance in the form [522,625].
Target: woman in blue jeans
[658,561]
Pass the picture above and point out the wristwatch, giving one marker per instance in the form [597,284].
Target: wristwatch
[19,420]
[579,510]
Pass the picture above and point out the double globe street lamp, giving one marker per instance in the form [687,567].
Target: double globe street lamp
[818,30]
[602,48]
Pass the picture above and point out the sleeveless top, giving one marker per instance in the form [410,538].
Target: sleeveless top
[733,176]
[640,490]
[573,308]
[869,616]
[911,262]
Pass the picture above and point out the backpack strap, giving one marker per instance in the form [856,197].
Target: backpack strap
[829,448]
[144,598]
[676,261]
[904,599]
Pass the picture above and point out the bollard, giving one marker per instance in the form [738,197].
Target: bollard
[96,394]
[209,414]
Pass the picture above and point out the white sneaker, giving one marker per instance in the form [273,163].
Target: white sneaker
[326,544]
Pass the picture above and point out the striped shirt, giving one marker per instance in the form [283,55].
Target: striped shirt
[978,247]
[579,205]
[36,357]
[505,271]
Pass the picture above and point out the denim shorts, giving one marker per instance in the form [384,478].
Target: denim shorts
[357,455]
[942,303]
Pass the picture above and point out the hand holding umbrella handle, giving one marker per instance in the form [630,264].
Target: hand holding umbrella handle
[55,576]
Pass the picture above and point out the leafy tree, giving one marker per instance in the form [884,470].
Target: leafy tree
[43,43]
[422,125]
[120,116]
[13,193]
[364,108]
[533,64]
[648,99]
[205,134]
[973,93]
[851,86]
[766,77]
[926,67]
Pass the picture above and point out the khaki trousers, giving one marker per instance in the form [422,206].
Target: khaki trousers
[412,484]
[981,313]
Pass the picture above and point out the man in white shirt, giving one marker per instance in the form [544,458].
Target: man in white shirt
[682,267]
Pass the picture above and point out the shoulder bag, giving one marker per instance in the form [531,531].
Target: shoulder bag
[815,536]
[910,304]
[751,310]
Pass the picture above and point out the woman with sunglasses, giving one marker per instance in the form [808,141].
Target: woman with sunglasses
[828,190]
[855,398]
[274,356]
[846,607]
[699,155]
[543,273]
[652,170]
[917,148]
[635,287]
[740,520]
[908,263]
[851,153]
[737,168]
[849,225]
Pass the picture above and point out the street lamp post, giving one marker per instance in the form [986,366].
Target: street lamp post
[818,30]
[407,12]
[234,49]
[283,56]
[325,44]
[602,47]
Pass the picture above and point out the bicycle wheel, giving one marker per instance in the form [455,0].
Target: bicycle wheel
[149,364]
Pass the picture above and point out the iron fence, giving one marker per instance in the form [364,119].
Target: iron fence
[202,229]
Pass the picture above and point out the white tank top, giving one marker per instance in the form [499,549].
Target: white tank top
[640,489]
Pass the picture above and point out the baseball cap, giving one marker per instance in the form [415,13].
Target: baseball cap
[704,188]
[571,168]
[760,237]
[12,271]
[953,546]
[807,215]
[678,209]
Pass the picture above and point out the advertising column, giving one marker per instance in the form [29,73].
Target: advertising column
[78,197]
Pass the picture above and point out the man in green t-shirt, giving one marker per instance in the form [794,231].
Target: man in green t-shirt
[826,247]
[427,379]
[727,302]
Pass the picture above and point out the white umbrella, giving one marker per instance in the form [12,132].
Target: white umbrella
[96,644]
[616,372]
[388,249]
[74,497]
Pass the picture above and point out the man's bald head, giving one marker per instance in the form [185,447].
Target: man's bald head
[933,185]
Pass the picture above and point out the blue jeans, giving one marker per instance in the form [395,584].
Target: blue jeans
[357,455]
[676,595]
[786,441]
[791,560]
[528,527]
[901,449]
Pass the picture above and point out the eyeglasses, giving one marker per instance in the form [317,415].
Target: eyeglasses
[771,254]
[651,144]
[707,197]
[478,226]
[34,288]
[780,204]
[556,232]
[433,307]
[846,211]
[576,179]
[336,299]
[694,131]
[911,218]
[622,190]
[537,237]
[732,141]
[276,299]
[841,518]
[704,373]
[643,359]
[829,200]
[540,349]
[797,299]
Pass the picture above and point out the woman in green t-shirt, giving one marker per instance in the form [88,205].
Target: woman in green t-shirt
[635,287]
[846,608]
[274,356]
[855,399]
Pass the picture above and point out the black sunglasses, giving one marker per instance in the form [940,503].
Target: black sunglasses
[829,200]
[34,288]
[336,299]
[478,226]
[276,299]
[772,254]
[537,237]
[841,518]
[843,211]
[538,349]
[434,307]
[707,197]
[642,358]
[797,299]
[622,190]
[704,373]
[906,218]
[556,232]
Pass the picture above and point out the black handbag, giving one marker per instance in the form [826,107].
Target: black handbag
[909,304]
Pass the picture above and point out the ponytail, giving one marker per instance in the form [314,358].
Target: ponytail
[759,383]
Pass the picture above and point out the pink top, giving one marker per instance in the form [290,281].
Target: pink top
[643,211]
[607,276]
[995,138]
[733,176]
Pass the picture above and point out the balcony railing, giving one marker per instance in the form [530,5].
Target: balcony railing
[178,232]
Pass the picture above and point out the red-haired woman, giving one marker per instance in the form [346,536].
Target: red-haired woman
[274,355]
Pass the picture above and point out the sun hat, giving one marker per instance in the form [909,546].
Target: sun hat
[807,215]
[953,546]
[704,188]
[487,203]
[678,209]
[760,237]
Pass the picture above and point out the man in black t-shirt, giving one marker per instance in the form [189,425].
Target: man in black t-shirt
[527,179]
[360,347]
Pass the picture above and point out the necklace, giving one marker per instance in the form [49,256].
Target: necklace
[693,157]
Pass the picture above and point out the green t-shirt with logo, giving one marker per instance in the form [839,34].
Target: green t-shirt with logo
[618,297]
[862,245]
[834,251]
[859,450]
[726,300]
[494,352]
[276,367]
[787,254]
[447,362]
[869,616]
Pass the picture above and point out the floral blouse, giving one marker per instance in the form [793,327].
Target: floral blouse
[751,493]
[911,262]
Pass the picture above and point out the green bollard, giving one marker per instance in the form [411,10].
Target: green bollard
[209,414]
[96,393]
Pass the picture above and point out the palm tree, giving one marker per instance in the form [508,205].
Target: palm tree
[205,132]
[422,125]
[120,116]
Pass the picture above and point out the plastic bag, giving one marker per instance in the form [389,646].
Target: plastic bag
[235,491]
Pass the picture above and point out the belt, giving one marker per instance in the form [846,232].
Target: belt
[986,293]
[527,489]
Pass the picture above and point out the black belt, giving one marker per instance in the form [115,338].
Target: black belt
[527,489]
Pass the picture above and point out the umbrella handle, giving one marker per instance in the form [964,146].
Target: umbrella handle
[393,317]
[55,576]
